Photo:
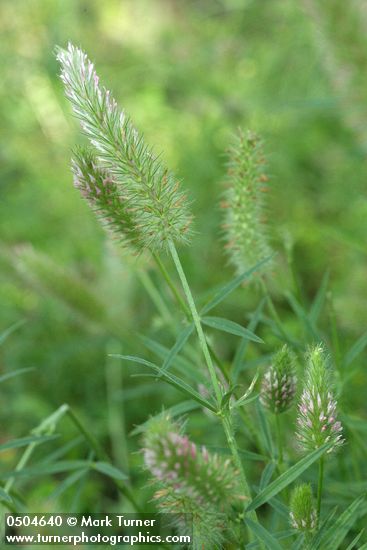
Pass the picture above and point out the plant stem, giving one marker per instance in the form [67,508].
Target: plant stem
[224,415]
[319,487]
[280,441]
[171,285]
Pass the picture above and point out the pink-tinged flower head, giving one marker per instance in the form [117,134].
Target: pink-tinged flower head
[279,383]
[317,422]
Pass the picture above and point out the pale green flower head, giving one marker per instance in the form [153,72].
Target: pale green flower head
[279,384]
[303,515]
[317,421]
[245,225]
[148,192]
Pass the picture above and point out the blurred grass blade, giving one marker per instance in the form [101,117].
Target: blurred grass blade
[109,470]
[299,543]
[242,347]
[67,483]
[4,335]
[247,455]
[18,372]
[278,536]
[264,431]
[45,469]
[226,289]
[355,540]
[302,316]
[285,479]
[316,541]
[319,300]
[355,350]
[170,379]
[266,475]
[263,535]
[225,325]
[180,342]
[23,441]
[4,496]
[337,532]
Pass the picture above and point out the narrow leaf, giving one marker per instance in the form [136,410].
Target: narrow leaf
[226,289]
[355,350]
[4,335]
[263,535]
[264,429]
[319,300]
[4,496]
[335,535]
[232,328]
[23,441]
[18,372]
[109,470]
[266,475]
[242,347]
[170,379]
[355,540]
[285,479]
[180,342]
[67,483]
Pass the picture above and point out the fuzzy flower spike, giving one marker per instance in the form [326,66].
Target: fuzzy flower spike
[279,384]
[191,480]
[152,209]
[244,224]
[303,515]
[317,421]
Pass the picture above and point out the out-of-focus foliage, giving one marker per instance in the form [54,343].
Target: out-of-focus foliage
[189,73]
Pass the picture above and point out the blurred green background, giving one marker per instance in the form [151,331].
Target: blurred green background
[189,73]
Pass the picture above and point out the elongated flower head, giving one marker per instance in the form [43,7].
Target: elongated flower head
[149,193]
[245,227]
[279,384]
[303,515]
[191,480]
[317,421]
[105,197]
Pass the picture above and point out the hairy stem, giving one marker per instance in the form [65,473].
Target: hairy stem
[279,439]
[225,415]
[319,487]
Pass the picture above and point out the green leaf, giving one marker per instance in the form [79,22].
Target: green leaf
[298,543]
[278,536]
[180,342]
[263,535]
[45,469]
[170,379]
[319,300]
[242,347]
[4,496]
[248,455]
[23,441]
[337,532]
[246,396]
[355,540]
[285,479]
[355,350]
[316,541]
[226,289]
[109,470]
[18,372]
[67,483]
[302,316]
[181,363]
[266,475]
[264,428]
[4,335]
[232,328]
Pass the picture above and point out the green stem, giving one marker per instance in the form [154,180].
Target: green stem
[319,487]
[225,415]
[172,286]
[280,441]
